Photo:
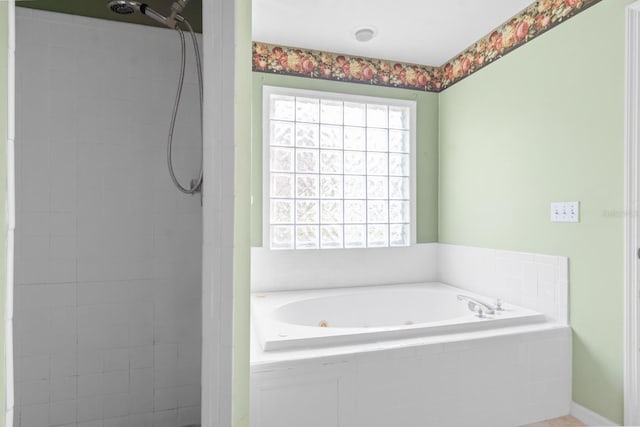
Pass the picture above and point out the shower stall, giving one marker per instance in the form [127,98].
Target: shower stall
[108,253]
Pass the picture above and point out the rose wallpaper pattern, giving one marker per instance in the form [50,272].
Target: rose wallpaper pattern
[331,66]
[533,21]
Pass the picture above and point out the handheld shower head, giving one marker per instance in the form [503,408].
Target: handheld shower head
[127,7]
[123,7]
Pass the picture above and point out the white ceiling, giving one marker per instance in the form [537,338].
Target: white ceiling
[428,32]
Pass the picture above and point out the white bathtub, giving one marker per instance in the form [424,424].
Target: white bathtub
[294,320]
[446,368]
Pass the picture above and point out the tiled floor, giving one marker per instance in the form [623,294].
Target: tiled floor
[567,421]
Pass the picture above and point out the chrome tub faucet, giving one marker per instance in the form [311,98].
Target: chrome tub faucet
[476,306]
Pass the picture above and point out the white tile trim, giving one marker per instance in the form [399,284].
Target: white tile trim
[536,281]
[10,213]
[589,417]
[295,270]
[218,200]
[632,138]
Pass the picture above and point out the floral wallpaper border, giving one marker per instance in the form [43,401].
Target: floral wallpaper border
[333,66]
[538,18]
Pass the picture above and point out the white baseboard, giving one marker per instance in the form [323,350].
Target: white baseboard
[589,417]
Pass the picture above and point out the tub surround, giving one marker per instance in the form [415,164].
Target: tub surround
[502,376]
[498,378]
[534,281]
[540,17]
[273,270]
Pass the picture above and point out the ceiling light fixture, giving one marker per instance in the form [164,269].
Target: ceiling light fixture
[364,34]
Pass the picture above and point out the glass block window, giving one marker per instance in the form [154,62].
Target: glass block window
[338,170]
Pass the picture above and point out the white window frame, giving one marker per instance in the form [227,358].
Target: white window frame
[267,91]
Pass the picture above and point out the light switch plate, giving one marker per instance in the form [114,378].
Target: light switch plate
[565,212]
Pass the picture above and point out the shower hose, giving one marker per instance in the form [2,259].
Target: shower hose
[196,184]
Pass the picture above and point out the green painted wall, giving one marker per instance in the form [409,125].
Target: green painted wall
[426,143]
[242,221]
[4,50]
[543,124]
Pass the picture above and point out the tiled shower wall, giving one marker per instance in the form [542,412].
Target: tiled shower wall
[108,253]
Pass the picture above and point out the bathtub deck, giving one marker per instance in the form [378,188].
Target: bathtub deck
[567,421]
